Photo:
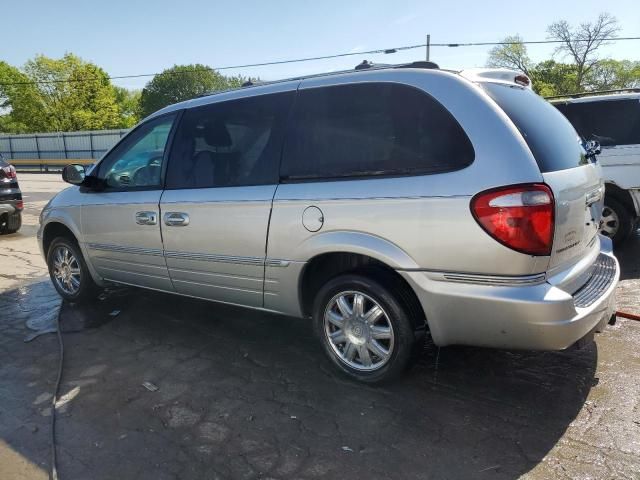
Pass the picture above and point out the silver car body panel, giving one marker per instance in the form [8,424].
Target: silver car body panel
[220,255]
[248,245]
[119,248]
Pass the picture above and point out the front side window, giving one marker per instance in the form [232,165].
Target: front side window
[372,129]
[137,161]
[612,122]
[232,143]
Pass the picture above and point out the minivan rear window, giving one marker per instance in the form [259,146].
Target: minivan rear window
[610,122]
[549,135]
[371,129]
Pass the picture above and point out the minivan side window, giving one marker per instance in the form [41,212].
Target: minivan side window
[231,143]
[611,122]
[367,129]
[136,162]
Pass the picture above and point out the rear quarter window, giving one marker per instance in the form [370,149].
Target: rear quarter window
[371,129]
[552,139]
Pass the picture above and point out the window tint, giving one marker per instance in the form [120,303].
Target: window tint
[230,143]
[137,160]
[614,122]
[551,138]
[372,129]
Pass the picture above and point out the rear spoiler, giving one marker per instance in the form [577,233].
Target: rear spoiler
[497,75]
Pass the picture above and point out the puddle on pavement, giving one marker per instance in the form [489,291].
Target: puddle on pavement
[77,317]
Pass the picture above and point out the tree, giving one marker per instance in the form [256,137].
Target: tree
[57,95]
[183,82]
[511,54]
[582,42]
[550,78]
[129,105]
[611,74]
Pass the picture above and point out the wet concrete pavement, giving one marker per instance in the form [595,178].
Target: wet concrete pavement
[243,394]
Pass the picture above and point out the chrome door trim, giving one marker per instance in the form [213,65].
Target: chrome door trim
[481,279]
[275,262]
[208,257]
[257,261]
[123,249]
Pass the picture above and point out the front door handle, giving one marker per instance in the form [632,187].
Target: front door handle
[176,219]
[146,218]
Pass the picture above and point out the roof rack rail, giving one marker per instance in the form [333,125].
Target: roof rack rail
[420,64]
[364,65]
[594,93]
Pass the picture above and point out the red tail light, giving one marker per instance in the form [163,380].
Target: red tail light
[8,172]
[520,217]
[19,204]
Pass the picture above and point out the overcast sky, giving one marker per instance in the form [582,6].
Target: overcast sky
[135,37]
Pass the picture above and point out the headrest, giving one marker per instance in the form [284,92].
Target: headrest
[216,134]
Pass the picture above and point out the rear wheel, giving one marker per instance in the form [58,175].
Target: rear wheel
[364,327]
[14,222]
[616,221]
[10,222]
[69,272]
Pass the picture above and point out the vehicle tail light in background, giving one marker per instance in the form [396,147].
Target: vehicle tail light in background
[8,172]
[519,216]
[19,205]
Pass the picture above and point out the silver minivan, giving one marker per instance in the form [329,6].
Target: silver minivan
[384,203]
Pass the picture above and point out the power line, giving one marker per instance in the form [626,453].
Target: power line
[310,59]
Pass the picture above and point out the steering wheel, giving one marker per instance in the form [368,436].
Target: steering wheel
[147,175]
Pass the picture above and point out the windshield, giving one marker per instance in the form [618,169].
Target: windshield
[549,135]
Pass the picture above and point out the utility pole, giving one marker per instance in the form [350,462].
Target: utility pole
[428,46]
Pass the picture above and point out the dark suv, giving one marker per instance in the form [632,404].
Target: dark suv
[10,199]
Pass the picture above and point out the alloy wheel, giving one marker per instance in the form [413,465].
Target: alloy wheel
[66,270]
[359,331]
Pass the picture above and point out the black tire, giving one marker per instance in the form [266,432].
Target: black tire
[397,313]
[88,289]
[624,222]
[14,222]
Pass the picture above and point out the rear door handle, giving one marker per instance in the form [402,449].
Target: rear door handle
[146,218]
[176,219]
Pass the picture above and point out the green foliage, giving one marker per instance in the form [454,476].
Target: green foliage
[19,102]
[183,82]
[611,74]
[69,94]
[552,78]
[129,104]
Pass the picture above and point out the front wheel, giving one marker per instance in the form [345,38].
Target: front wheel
[69,272]
[616,221]
[364,328]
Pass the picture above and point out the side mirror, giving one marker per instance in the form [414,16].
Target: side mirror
[74,174]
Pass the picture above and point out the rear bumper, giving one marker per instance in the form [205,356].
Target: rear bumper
[10,199]
[534,317]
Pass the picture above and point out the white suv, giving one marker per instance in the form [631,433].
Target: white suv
[613,120]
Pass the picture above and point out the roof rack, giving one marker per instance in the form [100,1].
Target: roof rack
[594,93]
[364,65]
